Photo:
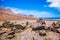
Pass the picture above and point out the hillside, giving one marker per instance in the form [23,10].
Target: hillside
[7,14]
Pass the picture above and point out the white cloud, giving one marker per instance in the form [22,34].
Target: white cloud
[54,4]
[29,12]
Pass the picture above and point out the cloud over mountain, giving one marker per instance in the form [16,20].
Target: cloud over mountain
[31,12]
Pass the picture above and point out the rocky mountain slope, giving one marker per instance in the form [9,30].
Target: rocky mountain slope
[7,14]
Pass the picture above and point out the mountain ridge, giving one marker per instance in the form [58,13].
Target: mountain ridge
[7,14]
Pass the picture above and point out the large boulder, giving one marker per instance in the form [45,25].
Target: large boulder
[38,28]
[40,24]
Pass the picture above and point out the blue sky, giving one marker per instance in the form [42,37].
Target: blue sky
[38,8]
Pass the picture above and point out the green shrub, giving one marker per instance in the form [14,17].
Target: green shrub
[47,38]
[4,38]
[15,35]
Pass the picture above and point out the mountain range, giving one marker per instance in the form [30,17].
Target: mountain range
[7,14]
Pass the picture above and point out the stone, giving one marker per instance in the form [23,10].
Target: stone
[11,33]
[18,26]
[58,30]
[53,30]
[38,28]
[2,32]
[10,36]
[42,33]
[55,25]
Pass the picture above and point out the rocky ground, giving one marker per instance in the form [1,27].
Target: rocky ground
[35,31]
[28,34]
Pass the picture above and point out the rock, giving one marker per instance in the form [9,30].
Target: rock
[2,32]
[42,33]
[0,26]
[11,33]
[10,36]
[53,30]
[58,30]
[55,25]
[7,24]
[18,26]
[18,31]
[47,28]
[41,21]
[38,28]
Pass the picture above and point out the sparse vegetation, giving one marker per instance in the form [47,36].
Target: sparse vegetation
[4,38]
[15,35]
[18,28]
[47,38]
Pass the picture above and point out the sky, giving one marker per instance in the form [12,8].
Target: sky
[38,8]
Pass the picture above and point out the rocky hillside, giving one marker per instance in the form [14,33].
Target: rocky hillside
[7,14]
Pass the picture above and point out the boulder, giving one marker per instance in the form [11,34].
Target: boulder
[42,33]
[55,25]
[58,30]
[10,36]
[47,28]
[38,28]
[7,25]
[53,30]
[11,33]
[2,32]
[18,26]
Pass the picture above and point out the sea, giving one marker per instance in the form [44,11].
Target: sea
[53,18]
[57,18]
